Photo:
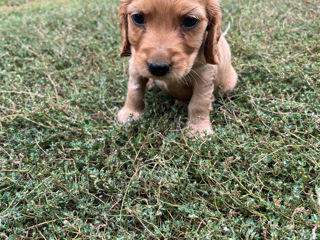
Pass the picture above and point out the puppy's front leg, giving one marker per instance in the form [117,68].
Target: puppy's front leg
[134,104]
[201,104]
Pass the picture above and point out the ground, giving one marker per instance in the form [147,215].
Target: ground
[69,170]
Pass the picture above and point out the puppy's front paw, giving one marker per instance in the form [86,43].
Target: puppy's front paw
[201,129]
[125,114]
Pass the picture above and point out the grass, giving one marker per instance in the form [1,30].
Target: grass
[69,170]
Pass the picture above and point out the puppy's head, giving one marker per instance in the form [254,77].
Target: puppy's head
[165,36]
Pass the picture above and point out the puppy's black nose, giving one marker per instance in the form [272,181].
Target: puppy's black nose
[159,69]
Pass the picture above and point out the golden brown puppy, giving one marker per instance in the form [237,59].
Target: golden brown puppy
[176,44]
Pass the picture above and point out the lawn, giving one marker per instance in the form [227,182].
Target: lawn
[68,170]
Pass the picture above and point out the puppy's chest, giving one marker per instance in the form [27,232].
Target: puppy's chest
[175,88]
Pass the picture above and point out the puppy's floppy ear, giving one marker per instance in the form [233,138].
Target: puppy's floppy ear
[213,32]
[123,15]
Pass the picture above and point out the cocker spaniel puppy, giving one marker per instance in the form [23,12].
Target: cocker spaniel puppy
[178,46]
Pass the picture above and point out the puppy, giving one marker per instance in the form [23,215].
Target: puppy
[178,45]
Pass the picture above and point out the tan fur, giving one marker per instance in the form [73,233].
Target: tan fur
[200,57]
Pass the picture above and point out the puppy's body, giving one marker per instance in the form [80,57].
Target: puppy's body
[178,46]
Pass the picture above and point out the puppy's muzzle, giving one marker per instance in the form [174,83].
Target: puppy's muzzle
[159,69]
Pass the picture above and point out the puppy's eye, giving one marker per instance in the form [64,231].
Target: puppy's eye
[190,22]
[138,19]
